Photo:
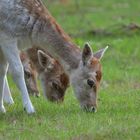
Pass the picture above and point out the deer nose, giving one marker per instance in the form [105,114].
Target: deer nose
[93,109]
[90,82]
[90,109]
[38,95]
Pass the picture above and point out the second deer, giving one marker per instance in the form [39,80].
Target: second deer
[54,80]
[39,63]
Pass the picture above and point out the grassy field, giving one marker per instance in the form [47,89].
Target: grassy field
[118,116]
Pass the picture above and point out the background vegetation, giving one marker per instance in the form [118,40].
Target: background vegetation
[118,116]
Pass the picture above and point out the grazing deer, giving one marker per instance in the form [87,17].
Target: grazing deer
[27,22]
[54,80]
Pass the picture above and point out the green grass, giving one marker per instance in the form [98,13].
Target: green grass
[118,116]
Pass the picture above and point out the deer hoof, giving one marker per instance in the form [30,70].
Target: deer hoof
[29,108]
[2,109]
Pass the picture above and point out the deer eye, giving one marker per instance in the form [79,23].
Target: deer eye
[27,74]
[91,83]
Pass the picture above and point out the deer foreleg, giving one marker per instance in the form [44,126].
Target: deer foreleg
[11,53]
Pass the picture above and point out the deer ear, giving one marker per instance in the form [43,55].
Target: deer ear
[99,54]
[87,53]
[44,60]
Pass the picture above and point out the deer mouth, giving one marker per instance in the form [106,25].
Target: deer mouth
[35,94]
[57,99]
[88,108]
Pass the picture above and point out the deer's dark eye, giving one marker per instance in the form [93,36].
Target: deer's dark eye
[91,83]
[27,74]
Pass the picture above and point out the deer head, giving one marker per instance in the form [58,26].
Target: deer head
[86,78]
[53,78]
[30,75]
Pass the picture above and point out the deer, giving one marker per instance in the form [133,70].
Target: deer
[28,22]
[55,80]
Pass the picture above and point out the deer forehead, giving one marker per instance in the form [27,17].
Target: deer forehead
[92,74]
[93,63]
[94,66]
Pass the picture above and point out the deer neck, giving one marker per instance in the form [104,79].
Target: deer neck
[51,37]
[34,23]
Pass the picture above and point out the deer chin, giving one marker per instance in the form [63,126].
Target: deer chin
[89,109]
[87,103]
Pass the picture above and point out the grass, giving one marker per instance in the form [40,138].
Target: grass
[118,116]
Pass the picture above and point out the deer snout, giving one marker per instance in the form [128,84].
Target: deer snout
[37,94]
[91,83]
[90,108]
[93,109]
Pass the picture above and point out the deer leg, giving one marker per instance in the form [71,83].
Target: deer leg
[7,94]
[3,69]
[11,53]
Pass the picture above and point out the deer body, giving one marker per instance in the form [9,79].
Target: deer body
[34,23]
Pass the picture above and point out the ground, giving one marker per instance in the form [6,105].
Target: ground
[118,116]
